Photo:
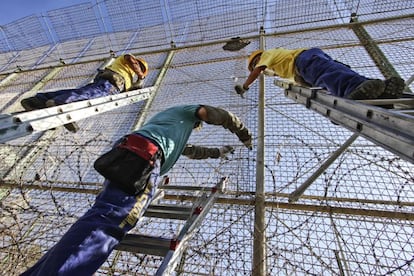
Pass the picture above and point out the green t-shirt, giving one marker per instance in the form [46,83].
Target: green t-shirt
[171,129]
[281,61]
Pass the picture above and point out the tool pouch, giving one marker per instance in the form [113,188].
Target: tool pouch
[128,165]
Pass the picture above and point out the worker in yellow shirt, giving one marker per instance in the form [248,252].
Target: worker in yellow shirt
[115,78]
[313,67]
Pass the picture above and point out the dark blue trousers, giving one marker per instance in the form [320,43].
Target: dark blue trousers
[99,88]
[320,70]
[90,240]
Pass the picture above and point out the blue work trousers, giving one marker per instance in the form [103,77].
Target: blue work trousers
[96,89]
[89,242]
[320,70]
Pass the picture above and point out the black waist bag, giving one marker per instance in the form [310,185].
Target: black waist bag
[129,164]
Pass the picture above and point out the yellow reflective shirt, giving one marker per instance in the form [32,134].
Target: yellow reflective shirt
[120,66]
[281,61]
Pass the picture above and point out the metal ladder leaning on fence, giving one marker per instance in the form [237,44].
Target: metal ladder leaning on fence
[389,123]
[171,249]
[17,125]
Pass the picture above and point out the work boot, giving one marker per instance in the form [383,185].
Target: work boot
[369,89]
[72,127]
[394,88]
[32,103]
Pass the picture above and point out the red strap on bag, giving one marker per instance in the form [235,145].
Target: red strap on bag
[141,146]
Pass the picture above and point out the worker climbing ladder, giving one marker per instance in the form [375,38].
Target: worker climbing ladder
[20,124]
[172,248]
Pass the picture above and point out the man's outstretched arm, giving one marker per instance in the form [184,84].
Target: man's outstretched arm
[199,152]
[217,116]
[242,88]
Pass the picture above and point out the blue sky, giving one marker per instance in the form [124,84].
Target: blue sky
[12,10]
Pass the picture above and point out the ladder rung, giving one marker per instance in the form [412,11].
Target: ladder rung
[171,249]
[405,111]
[147,245]
[184,188]
[168,211]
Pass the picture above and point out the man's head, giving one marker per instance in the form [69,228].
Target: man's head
[144,66]
[254,59]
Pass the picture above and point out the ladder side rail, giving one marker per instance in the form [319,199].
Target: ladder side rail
[390,130]
[393,140]
[170,260]
[74,106]
[26,123]
[76,115]
[384,117]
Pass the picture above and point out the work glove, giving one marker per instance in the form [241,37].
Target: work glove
[245,137]
[240,90]
[248,143]
[137,85]
[225,150]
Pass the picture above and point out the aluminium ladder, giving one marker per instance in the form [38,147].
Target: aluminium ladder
[388,123]
[17,125]
[171,249]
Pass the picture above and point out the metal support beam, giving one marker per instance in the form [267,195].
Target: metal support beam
[40,84]
[259,236]
[8,79]
[55,186]
[157,85]
[390,129]
[331,210]
[294,196]
[31,152]
[84,50]
[383,64]
[4,82]
[45,55]
[410,80]
[13,59]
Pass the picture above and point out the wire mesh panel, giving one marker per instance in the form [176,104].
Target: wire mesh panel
[18,32]
[354,219]
[70,22]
